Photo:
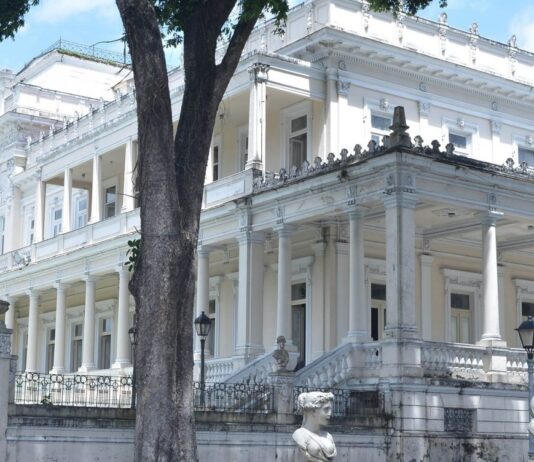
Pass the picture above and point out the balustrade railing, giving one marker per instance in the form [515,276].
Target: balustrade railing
[110,391]
[73,390]
[454,360]
[218,370]
[234,397]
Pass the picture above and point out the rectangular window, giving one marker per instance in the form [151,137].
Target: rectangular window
[298,141]
[378,311]
[2,234]
[526,155]
[50,349]
[57,221]
[380,127]
[32,228]
[298,321]
[461,318]
[81,212]
[461,142]
[110,199]
[104,360]
[212,307]
[527,309]
[77,339]
[215,163]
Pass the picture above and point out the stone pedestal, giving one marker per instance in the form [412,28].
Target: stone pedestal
[282,382]
[5,366]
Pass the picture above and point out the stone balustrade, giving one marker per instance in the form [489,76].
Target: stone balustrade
[219,369]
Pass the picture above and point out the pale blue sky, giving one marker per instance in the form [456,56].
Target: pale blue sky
[91,21]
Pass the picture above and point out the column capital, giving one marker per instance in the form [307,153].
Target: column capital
[490,217]
[33,293]
[60,286]
[403,200]
[204,250]
[356,212]
[255,237]
[123,271]
[89,278]
[284,230]
[258,72]
[426,259]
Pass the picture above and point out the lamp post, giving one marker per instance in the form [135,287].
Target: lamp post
[526,335]
[132,332]
[202,326]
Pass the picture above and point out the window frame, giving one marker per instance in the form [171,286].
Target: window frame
[468,283]
[287,115]
[460,127]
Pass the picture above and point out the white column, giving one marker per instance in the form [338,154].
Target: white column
[40,193]
[318,300]
[33,323]
[13,228]
[400,264]
[59,343]
[67,201]
[203,286]
[490,280]
[358,309]
[250,295]
[128,201]
[95,192]
[88,353]
[123,339]
[257,116]
[10,319]
[283,303]
[331,108]
[426,296]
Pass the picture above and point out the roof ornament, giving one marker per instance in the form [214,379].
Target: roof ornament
[398,136]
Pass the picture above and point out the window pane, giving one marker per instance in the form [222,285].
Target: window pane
[58,214]
[105,351]
[298,291]
[211,307]
[211,337]
[526,155]
[52,336]
[380,122]
[378,292]
[78,330]
[459,141]
[374,323]
[106,325]
[299,123]
[527,309]
[297,150]
[460,301]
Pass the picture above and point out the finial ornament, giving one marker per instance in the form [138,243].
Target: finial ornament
[399,137]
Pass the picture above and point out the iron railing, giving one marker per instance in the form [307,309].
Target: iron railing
[116,392]
[234,397]
[347,403]
[73,390]
[90,51]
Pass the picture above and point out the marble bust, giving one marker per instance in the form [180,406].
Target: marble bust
[315,444]
[281,355]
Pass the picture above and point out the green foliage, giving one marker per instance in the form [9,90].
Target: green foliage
[12,16]
[134,252]
[403,6]
[174,15]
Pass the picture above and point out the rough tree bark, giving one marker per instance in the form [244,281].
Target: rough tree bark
[171,179]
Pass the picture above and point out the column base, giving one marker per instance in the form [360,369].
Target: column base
[357,337]
[254,163]
[121,364]
[57,371]
[492,342]
[84,368]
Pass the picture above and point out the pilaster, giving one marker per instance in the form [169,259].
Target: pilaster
[33,324]
[122,359]
[257,116]
[59,342]
[88,352]
[426,296]
[96,199]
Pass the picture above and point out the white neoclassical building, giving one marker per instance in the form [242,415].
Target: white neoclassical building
[402,270]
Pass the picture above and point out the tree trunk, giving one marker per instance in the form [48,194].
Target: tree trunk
[171,181]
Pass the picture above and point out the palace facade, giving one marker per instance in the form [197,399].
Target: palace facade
[392,262]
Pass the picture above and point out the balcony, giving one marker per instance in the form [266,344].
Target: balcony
[231,187]
[122,224]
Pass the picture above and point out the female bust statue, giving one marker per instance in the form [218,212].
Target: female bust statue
[315,444]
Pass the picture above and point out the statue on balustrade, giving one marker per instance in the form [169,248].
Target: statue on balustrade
[281,356]
[315,444]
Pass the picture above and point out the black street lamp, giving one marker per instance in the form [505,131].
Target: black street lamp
[526,335]
[132,332]
[202,326]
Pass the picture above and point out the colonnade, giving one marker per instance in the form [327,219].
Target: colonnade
[89,361]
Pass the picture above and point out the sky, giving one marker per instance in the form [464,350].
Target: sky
[91,21]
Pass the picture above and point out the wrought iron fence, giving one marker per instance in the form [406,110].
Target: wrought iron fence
[116,392]
[90,51]
[347,403]
[234,397]
[73,390]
